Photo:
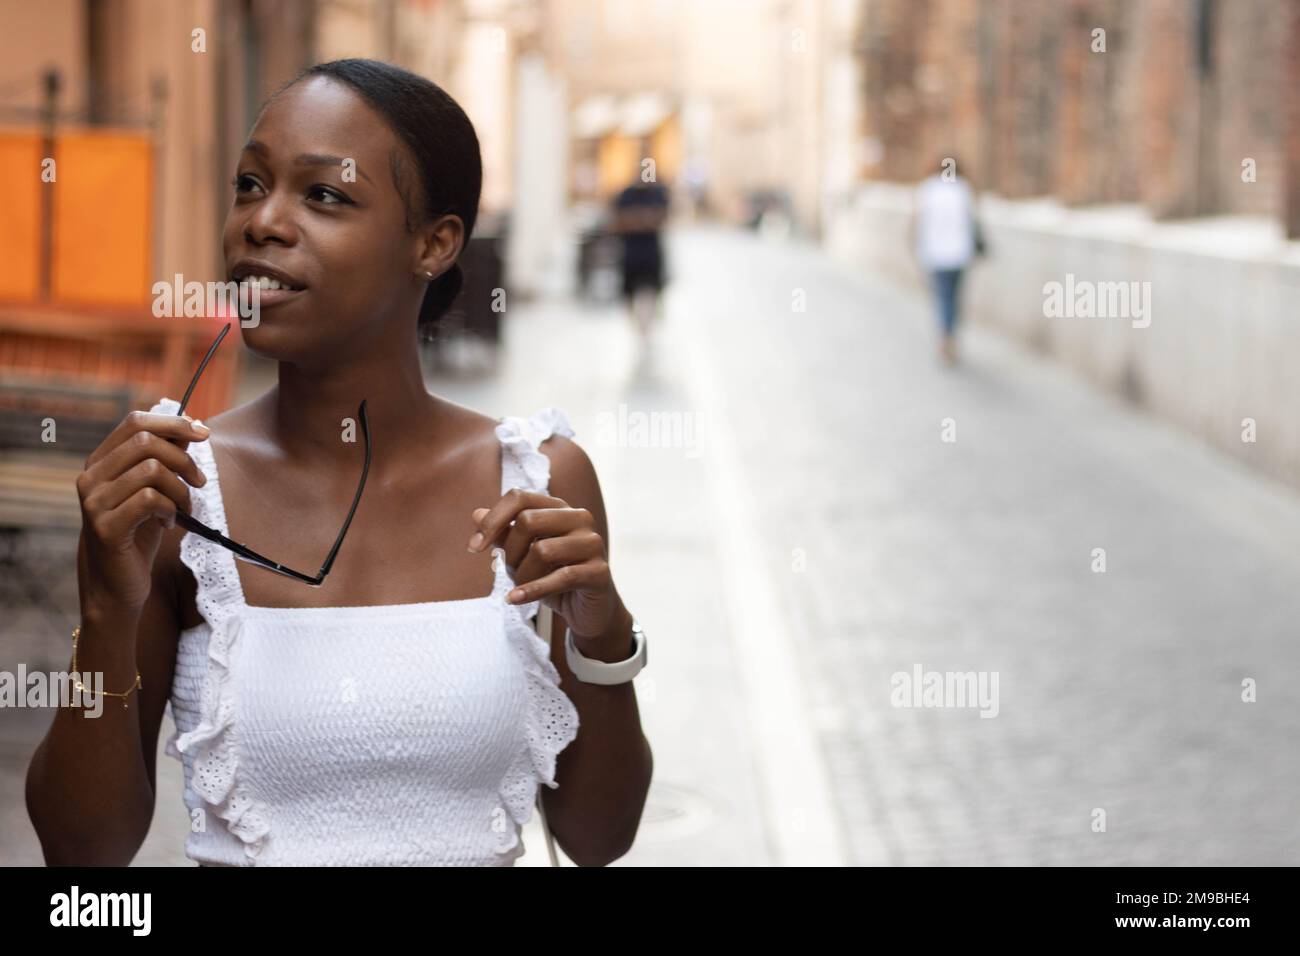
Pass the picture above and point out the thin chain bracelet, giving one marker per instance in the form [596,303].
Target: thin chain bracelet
[76,633]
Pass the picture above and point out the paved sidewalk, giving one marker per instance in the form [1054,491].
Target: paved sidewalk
[1119,692]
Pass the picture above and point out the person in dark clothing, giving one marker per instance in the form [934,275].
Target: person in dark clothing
[640,211]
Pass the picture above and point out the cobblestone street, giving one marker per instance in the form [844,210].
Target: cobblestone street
[1119,691]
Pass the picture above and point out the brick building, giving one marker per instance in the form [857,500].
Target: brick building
[1187,106]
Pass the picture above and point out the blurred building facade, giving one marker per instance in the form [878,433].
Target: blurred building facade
[742,95]
[1159,102]
[1149,144]
[808,98]
[569,97]
[113,55]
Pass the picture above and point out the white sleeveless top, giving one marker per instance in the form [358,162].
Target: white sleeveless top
[395,735]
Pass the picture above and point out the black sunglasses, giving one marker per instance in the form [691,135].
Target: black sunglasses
[247,553]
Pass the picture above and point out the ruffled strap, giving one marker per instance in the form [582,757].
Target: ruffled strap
[523,463]
[213,743]
[550,718]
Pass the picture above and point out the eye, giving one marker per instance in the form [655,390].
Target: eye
[328,197]
[244,182]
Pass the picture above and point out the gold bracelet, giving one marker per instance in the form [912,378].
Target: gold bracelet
[76,633]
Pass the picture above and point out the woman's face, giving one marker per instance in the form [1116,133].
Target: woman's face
[316,208]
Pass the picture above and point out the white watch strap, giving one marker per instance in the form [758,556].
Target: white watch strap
[603,672]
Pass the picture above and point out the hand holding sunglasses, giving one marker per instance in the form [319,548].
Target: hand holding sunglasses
[132,488]
[245,553]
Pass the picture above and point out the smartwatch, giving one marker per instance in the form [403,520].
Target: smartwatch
[603,672]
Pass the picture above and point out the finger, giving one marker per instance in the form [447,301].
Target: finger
[150,473]
[492,525]
[168,426]
[140,447]
[590,575]
[532,523]
[548,554]
[145,504]
[173,427]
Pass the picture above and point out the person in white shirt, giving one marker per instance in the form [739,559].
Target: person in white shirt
[944,241]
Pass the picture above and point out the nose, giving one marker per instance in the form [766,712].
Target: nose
[271,221]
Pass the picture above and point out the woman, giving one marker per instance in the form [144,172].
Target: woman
[944,239]
[396,714]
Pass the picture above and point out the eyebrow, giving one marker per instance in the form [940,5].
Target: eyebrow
[304,159]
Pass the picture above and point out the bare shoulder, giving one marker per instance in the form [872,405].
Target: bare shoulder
[574,478]
[570,465]
[464,433]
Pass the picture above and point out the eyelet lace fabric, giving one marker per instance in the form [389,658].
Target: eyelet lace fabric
[553,720]
[399,769]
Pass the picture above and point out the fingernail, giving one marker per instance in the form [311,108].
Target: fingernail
[516,595]
[477,541]
[199,427]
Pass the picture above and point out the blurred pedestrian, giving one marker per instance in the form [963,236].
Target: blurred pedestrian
[945,238]
[640,212]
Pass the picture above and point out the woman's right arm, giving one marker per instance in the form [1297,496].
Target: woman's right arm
[90,786]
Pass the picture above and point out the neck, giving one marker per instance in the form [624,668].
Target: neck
[314,410]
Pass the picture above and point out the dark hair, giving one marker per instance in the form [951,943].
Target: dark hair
[442,144]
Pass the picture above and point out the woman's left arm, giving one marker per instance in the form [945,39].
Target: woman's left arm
[558,544]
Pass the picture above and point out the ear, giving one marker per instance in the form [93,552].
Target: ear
[438,244]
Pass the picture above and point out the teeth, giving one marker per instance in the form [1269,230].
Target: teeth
[266,283]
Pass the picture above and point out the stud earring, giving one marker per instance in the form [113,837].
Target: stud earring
[428,274]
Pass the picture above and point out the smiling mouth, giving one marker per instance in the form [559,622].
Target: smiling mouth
[268,284]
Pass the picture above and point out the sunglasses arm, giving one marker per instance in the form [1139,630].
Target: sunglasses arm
[356,499]
[244,552]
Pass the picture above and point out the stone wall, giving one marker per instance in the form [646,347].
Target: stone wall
[1223,340]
